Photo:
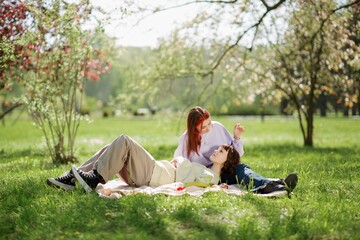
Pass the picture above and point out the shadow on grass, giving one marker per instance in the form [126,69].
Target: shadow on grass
[30,152]
[32,208]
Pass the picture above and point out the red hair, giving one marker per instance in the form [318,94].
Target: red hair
[196,117]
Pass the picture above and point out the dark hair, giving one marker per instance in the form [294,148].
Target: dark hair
[232,160]
[196,117]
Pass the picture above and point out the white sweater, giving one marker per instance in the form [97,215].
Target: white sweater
[210,141]
[164,173]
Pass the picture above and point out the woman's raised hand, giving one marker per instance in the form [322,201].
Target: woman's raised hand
[238,131]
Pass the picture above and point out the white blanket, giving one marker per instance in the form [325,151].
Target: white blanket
[117,188]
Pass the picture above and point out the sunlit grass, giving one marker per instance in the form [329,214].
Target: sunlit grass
[324,204]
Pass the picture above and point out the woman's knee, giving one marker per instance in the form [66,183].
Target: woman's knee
[123,137]
[241,167]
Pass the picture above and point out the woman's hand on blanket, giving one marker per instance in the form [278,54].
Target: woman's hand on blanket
[224,185]
[174,162]
[106,192]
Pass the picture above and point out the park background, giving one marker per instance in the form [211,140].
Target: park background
[287,71]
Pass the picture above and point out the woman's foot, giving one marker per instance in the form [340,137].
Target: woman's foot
[271,187]
[89,180]
[65,182]
[291,181]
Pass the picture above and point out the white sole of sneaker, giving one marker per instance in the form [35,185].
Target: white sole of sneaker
[86,187]
[52,182]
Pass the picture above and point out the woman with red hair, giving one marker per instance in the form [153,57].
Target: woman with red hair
[202,136]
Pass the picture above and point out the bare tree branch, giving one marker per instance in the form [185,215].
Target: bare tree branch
[256,26]
[193,2]
[345,6]
[157,10]
[265,4]
[10,109]
[328,16]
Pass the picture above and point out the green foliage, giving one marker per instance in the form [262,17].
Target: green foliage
[113,81]
[170,78]
[56,52]
[6,52]
[259,53]
[324,204]
[54,86]
[309,55]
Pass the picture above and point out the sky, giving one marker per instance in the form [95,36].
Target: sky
[147,32]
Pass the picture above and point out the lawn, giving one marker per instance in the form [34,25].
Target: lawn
[324,205]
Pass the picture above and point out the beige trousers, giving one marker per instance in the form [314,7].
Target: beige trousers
[124,153]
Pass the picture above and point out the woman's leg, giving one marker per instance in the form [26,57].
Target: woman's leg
[244,175]
[126,152]
[124,156]
[89,164]
[67,180]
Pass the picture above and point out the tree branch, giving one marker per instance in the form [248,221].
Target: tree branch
[256,26]
[328,16]
[345,6]
[157,10]
[193,2]
[10,109]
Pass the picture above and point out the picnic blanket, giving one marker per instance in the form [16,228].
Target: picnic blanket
[117,188]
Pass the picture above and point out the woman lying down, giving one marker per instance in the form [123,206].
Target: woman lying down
[137,167]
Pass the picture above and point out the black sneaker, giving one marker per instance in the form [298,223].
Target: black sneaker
[291,182]
[89,180]
[65,182]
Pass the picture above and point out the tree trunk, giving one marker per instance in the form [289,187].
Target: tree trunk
[59,151]
[322,104]
[283,105]
[358,103]
[308,141]
[353,110]
[308,138]
[310,113]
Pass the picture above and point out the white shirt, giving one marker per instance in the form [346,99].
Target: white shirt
[210,141]
[164,173]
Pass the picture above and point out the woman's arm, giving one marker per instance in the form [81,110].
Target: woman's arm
[238,131]
[237,143]
[239,146]
[195,172]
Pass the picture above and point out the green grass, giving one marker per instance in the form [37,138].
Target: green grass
[324,204]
